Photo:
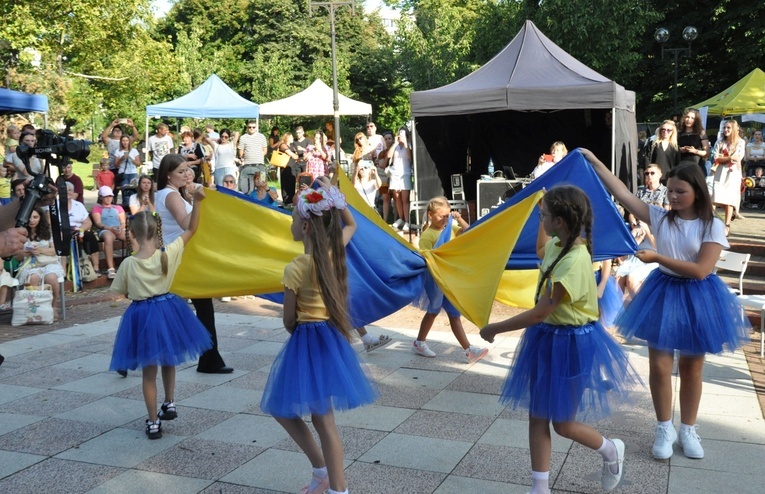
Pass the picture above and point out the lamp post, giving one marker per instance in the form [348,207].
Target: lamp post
[661,35]
[331,6]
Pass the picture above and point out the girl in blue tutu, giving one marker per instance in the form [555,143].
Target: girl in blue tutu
[566,364]
[158,328]
[680,306]
[317,371]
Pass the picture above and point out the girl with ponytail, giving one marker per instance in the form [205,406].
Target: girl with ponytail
[566,364]
[317,370]
[158,329]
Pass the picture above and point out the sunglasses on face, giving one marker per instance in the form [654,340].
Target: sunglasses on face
[251,127]
[649,173]
[224,135]
[666,130]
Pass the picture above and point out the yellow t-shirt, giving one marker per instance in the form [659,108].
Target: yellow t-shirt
[430,236]
[5,188]
[574,271]
[299,276]
[140,279]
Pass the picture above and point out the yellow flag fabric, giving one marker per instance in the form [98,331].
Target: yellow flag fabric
[468,269]
[240,248]
[358,203]
[516,288]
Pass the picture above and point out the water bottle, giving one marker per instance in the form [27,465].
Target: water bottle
[491,168]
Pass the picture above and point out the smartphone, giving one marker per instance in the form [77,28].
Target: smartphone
[548,157]
[123,120]
[306,180]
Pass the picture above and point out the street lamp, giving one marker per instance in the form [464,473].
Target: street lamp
[661,35]
[331,6]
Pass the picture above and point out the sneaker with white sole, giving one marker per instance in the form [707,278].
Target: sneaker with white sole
[662,443]
[405,228]
[690,441]
[608,479]
[382,340]
[474,353]
[398,224]
[421,348]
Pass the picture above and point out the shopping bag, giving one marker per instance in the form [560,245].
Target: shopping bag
[33,305]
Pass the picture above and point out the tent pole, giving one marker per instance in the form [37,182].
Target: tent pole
[335,96]
[331,6]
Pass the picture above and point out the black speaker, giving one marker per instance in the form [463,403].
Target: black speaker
[490,193]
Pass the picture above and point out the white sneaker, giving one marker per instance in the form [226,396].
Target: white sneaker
[474,353]
[405,228]
[690,441]
[421,348]
[381,341]
[225,299]
[662,444]
[398,224]
[609,480]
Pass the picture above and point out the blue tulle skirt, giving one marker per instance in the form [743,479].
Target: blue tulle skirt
[689,315]
[611,302]
[432,300]
[316,371]
[566,373]
[161,330]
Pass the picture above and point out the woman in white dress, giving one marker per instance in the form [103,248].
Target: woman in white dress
[728,154]
[755,153]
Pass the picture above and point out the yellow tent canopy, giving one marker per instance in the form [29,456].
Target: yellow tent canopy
[745,96]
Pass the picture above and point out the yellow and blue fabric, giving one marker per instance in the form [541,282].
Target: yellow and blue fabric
[610,235]
[242,248]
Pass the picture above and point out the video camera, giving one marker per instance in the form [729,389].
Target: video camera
[55,150]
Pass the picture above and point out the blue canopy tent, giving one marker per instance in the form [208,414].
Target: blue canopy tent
[213,99]
[18,102]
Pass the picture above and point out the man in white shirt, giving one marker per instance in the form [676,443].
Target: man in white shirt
[252,151]
[160,144]
[375,139]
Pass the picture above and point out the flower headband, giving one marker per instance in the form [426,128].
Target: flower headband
[317,201]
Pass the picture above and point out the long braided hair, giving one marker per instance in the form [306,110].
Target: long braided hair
[570,204]
[147,226]
[328,254]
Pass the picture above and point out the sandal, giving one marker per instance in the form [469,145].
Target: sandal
[321,488]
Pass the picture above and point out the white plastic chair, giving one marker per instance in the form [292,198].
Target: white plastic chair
[736,262]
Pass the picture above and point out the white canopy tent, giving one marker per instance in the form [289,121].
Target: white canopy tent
[316,99]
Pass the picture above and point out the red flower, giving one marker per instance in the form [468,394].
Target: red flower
[314,197]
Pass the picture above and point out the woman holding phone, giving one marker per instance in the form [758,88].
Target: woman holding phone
[557,152]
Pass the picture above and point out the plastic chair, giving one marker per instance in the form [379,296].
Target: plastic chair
[417,211]
[736,262]
[460,205]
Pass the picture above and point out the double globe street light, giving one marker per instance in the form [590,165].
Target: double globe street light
[661,35]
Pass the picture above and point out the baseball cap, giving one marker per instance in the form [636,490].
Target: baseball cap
[105,191]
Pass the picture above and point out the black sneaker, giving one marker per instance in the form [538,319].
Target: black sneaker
[167,411]
[153,429]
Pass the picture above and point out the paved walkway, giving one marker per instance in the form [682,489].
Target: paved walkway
[68,426]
